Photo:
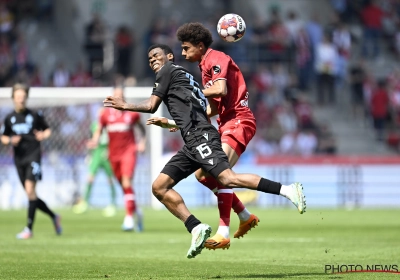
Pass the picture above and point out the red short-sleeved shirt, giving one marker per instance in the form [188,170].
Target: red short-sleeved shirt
[216,65]
[119,125]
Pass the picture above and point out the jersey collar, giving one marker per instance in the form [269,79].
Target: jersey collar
[202,62]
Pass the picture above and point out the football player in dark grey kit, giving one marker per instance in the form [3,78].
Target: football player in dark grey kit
[187,105]
[24,129]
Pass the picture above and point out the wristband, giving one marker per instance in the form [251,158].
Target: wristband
[171,123]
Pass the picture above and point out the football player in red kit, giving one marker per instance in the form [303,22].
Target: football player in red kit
[227,94]
[122,153]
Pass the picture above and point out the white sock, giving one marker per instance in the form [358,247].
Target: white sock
[285,191]
[224,231]
[244,215]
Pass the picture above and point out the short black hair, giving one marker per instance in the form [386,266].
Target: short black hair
[194,33]
[19,86]
[165,48]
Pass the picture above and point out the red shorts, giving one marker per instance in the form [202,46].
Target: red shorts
[237,134]
[124,165]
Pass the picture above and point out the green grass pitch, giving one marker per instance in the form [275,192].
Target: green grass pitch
[285,245]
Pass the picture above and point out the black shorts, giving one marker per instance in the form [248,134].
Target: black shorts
[202,149]
[31,170]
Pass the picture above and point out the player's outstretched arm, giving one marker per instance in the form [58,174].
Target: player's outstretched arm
[149,105]
[218,89]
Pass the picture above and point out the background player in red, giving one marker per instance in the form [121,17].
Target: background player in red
[122,153]
[227,94]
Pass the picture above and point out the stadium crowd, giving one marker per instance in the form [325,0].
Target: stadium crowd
[286,60]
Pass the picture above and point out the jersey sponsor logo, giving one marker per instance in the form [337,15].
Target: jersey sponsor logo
[21,128]
[205,135]
[211,161]
[216,69]
[118,127]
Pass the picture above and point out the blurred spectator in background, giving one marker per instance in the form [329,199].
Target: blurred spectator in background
[303,46]
[293,24]
[125,44]
[306,143]
[357,78]
[326,141]
[380,108]
[304,112]
[95,39]
[6,60]
[35,78]
[342,41]
[21,54]
[277,38]
[60,76]
[315,33]
[371,16]
[81,78]
[6,20]
[326,67]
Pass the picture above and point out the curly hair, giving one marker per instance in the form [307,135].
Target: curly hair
[194,33]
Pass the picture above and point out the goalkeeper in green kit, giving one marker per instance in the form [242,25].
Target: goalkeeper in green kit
[98,159]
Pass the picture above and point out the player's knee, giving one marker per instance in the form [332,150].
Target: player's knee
[158,190]
[227,179]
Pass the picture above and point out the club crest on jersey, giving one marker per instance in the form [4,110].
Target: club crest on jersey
[217,69]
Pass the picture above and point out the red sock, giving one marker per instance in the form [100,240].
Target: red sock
[237,205]
[211,183]
[129,198]
[225,197]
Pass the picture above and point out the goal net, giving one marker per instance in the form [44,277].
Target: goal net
[70,113]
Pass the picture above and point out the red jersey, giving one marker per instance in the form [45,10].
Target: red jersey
[216,65]
[119,125]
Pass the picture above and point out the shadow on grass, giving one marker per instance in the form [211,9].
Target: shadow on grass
[283,275]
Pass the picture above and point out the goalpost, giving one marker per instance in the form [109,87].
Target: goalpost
[69,112]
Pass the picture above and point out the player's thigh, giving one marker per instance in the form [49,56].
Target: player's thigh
[116,168]
[207,151]
[180,166]
[21,170]
[106,166]
[33,171]
[232,158]
[128,163]
[94,165]
[237,134]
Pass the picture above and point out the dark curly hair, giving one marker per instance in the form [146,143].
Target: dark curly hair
[194,33]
